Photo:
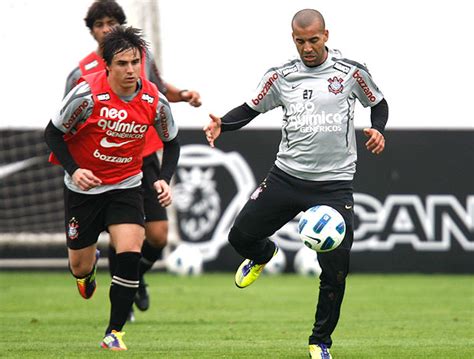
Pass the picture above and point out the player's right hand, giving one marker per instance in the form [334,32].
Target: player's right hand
[213,129]
[85,179]
[192,97]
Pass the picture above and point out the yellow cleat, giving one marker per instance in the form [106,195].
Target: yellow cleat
[319,351]
[249,271]
[113,341]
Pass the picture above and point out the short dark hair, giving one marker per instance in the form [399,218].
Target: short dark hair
[306,17]
[101,8]
[122,38]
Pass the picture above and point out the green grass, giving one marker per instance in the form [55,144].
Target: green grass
[383,316]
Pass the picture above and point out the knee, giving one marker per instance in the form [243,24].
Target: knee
[80,269]
[157,233]
[237,238]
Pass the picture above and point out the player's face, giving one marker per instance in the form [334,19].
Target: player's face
[102,27]
[124,71]
[310,42]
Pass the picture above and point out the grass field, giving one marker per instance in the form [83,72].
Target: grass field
[383,316]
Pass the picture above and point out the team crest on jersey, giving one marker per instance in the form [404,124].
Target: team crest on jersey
[335,85]
[73,228]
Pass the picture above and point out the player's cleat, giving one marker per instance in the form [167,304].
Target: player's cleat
[113,341]
[319,351]
[131,316]
[249,271]
[87,285]
[142,298]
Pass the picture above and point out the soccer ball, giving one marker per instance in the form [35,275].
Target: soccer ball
[277,264]
[185,260]
[306,262]
[321,228]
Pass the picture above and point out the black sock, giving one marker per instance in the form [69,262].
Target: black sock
[150,255]
[112,255]
[122,290]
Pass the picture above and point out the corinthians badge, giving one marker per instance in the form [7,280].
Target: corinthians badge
[335,85]
[73,228]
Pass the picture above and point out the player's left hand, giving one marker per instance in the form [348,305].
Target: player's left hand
[164,192]
[376,142]
[191,97]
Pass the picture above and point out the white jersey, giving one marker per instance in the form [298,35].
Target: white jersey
[318,137]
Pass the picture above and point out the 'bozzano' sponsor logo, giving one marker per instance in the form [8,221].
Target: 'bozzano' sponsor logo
[364,86]
[113,159]
[164,122]
[75,114]
[271,80]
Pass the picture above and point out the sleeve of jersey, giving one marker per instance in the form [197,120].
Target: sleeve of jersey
[55,140]
[267,95]
[153,74]
[365,88]
[75,108]
[165,125]
[72,79]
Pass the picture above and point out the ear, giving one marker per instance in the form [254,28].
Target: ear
[326,35]
[293,36]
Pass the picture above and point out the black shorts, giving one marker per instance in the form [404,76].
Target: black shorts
[87,215]
[151,172]
[280,197]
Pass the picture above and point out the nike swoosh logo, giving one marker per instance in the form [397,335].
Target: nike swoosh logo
[295,86]
[314,239]
[11,168]
[347,206]
[106,144]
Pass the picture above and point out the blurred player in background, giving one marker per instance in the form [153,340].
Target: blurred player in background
[316,161]
[102,16]
[98,136]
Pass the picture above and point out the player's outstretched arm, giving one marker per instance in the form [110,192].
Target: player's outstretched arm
[173,94]
[213,129]
[376,141]
[192,97]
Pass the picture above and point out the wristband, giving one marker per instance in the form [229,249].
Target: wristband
[180,93]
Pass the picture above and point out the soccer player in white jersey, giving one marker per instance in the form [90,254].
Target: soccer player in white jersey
[315,163]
